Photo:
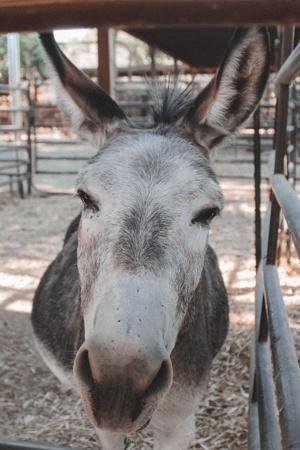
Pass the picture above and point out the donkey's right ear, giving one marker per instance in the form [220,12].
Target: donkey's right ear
[92,112]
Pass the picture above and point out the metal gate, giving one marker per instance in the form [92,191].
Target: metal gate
[15,140]
[274,402]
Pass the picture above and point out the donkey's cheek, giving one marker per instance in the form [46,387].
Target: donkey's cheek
[90,225]
[197,239]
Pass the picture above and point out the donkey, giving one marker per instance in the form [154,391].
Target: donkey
[133,309]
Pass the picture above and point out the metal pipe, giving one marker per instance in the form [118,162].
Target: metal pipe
[289,70]
[286,369]
[289,203]
[280,144]
[13,445]
[257,182]
[267,409]
[14,74]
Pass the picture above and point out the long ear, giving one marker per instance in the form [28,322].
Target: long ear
[234,92]
[91,110]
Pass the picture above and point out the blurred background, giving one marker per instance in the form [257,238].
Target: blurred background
[36,142]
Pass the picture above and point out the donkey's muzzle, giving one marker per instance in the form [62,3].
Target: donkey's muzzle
[121,396]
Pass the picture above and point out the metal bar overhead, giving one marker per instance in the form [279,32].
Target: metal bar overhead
[34,15]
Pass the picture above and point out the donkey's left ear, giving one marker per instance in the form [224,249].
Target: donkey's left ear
[92,112]
[234,92]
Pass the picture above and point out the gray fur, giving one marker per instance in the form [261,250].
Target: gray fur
[141,240]
[56,315]
[57,304]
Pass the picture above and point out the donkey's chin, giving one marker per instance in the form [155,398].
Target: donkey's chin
[130,415]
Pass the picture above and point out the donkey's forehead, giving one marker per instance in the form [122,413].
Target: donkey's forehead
[149,158]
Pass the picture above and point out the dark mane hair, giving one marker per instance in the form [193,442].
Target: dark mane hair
[170,101]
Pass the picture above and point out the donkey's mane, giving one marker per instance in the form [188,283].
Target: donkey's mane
[170,101]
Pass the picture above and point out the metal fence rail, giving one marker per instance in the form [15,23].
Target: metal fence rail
[13,445]
[274,401]
[289,70]
[289,203]
[49,154]
[15,140]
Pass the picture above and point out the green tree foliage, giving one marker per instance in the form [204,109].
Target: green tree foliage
[32,59]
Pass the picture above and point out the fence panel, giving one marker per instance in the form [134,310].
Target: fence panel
[275,375]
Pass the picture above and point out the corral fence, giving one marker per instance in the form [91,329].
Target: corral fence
[274,402]
[44,145]
[15,139]
[54,144]
[50,152]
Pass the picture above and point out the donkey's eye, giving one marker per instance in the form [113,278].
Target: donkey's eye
[205,216]
[87,201]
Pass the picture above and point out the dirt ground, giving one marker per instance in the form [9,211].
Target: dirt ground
[34,406]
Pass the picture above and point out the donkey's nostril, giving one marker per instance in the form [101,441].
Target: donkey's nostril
[161,382]
[83,368]
[159,386]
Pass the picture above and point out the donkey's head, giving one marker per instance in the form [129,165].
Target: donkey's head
[148,197]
